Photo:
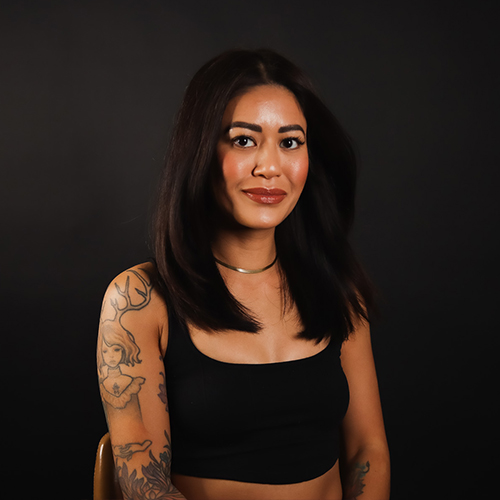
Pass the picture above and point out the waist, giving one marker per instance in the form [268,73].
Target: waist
[325,487]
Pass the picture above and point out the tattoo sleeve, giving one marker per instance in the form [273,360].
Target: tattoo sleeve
[143,471]
[354,487]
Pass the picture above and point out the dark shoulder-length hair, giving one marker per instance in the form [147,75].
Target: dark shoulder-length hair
[319,271]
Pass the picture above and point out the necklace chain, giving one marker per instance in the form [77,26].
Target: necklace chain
[246,271]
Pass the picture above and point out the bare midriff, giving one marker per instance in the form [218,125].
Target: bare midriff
[324,487]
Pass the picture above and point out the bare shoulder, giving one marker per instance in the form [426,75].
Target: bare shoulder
[134,302]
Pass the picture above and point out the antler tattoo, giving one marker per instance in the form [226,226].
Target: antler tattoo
[146,295]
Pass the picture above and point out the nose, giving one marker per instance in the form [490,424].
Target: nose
[267,162]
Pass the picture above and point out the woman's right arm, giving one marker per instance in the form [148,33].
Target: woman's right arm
[132,385]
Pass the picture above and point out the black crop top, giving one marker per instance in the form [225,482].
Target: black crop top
[275,423]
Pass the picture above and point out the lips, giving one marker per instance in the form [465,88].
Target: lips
[265,191]
[266,196]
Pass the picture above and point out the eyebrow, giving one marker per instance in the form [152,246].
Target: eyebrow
[287,128]
[249,126]
[258,128]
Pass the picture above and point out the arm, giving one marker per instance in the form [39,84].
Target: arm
[365,467]
[131,382]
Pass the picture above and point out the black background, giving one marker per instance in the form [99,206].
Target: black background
[88,94]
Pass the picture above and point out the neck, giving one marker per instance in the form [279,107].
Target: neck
[114,371]
[251,249]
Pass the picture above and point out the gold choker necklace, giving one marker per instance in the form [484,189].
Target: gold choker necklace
[246,271]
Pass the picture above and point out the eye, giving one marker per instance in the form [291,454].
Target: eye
[243,141]
[291,143]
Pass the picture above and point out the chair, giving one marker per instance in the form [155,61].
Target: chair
[106,486]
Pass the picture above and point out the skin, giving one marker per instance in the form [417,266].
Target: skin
[264,155]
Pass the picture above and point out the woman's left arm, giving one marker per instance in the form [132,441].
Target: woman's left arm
[365,468]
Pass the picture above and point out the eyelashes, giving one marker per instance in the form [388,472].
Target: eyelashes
[288,140]
[245,141]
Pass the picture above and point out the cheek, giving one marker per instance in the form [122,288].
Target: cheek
[234,168]
[298,172]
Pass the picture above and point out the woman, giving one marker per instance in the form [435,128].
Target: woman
[253,376]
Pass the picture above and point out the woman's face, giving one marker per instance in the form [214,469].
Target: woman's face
[112,355]
[262,153]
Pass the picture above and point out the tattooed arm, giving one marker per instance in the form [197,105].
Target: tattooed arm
[131,377]
[365,465]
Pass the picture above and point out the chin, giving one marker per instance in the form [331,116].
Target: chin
[256,218]
[269,222]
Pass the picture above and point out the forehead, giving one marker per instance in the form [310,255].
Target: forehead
[266,105]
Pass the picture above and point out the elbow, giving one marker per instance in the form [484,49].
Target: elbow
[376,453]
